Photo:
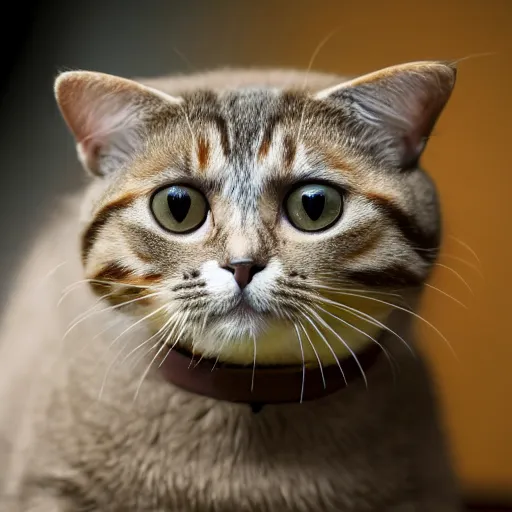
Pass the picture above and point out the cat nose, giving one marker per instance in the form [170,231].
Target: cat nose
[243,269]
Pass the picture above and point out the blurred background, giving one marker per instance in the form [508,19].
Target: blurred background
[468,155]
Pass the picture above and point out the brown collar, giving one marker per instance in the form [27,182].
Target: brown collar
[265,385]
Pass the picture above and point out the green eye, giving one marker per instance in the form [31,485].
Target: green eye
[179,209]
[314,207]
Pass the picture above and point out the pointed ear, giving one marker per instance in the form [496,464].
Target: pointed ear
[107,115]
[401,103]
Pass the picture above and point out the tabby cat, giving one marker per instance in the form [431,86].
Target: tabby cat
[233,331]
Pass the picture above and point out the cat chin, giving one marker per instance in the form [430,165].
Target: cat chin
[266,340]
[243,336]
[235,341]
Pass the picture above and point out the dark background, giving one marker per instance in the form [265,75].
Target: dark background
[468,156]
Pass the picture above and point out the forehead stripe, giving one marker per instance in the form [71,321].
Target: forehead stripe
[290,149]
[222,127]
[266,139]
[203,153]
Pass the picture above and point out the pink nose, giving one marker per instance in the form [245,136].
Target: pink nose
[243,270]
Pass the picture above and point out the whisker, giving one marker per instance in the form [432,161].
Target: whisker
[310,321]
[165,327]
[160,333]
[368,318]
[103,331]
[180,323]
[453,271]
[315,352]
[184,58]
[466,246]
[76,284]
[299,338]
[164,345]
[369,336]
[176,325]
[138,322]
[112,363]
[413,313]
[442,292]
[327,326]
[465,262]
[189,125]
[191,359]
[183,328]
[147,371]
[360,314]
[51,272]
[92,308]
[360,331]
[111,325]
[199,361]
[253,363]
[215,363]
[82,318]
[66,291]
[171,348]
[320,45]
[475,56]
[218,357]
[148,351]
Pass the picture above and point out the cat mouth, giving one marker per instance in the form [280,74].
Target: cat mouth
[242,310]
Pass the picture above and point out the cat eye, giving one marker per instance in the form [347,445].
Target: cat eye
[314,207]
[179,209]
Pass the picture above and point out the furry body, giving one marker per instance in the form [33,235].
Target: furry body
[67,449]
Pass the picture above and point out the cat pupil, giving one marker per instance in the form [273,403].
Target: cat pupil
[179,202]
[313,203]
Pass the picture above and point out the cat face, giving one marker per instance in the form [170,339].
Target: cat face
[259,223]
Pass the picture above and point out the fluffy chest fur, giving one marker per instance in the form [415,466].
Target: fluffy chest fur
[170,450]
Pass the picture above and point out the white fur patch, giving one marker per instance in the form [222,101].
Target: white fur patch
[218,280]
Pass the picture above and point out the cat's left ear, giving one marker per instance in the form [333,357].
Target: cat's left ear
[108,116]
[399,106]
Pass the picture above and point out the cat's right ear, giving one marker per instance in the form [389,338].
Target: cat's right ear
[107,116]
[397,107]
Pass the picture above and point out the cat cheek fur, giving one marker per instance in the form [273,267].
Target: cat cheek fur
[371,249]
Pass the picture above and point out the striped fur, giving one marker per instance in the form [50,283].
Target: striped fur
[72,437]
[244,148]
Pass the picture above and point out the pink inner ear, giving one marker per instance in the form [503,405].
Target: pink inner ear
[105,117]
[95,108]
[97,123]
[403,103]
[90,150]
[102,112]
[423,116]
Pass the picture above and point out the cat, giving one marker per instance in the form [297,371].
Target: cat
[233,332]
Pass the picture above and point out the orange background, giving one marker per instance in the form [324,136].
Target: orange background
[469,158]
[469,155]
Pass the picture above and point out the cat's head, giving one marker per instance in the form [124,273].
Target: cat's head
[265,219]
